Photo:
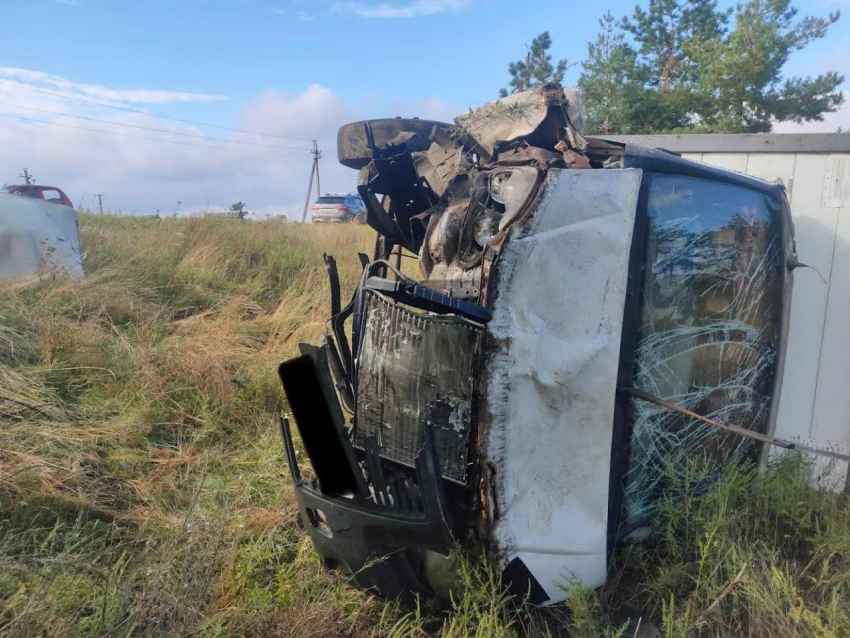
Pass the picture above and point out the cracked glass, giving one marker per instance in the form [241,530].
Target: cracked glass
[709,328]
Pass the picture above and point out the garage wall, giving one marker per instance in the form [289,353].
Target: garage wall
[815,404]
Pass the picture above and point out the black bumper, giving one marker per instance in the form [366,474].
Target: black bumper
[375,529]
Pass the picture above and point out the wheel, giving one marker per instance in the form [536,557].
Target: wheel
[352,146]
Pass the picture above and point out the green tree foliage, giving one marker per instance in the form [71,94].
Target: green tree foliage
[687,65]
[665,35]
[666,31]
[610,91]
[238,207]
[742,88]
[536,68]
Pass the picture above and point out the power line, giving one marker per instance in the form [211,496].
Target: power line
[155,130]
[140,137]
[139,112]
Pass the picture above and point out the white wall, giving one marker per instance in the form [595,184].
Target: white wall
[815,404]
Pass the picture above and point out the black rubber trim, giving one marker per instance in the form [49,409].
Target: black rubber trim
[319,420]
[520,582]
[658,161]
[625,373]
[375,538]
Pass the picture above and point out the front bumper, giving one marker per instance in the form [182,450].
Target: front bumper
[376,544]
[375,527]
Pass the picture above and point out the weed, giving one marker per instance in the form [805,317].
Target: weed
[144,491]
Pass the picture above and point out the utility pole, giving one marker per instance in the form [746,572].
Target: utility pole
[314,171]
[317,155]
[27,177]
[100,201]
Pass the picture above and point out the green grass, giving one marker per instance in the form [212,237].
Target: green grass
[144,491]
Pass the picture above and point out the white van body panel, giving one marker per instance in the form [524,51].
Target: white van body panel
[550,397]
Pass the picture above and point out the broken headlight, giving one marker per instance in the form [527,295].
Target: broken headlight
[513,190]
[485,227]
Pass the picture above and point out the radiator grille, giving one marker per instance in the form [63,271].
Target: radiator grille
[414,369]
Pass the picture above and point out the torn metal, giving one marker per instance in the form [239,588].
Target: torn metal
[476,406]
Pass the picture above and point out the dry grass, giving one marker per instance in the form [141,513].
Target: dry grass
[144,492]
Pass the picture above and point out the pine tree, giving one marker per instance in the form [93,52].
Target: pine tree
[536,68]
[663,33]
[610,90]
[741,84]
[666,33]
[685,70]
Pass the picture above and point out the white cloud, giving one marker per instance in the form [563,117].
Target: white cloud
[426,109]
[314,114]
[145,176]
[831,121]
[68,88]
[410,9]
[300,15]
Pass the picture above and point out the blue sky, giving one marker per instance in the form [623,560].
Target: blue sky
[291,67]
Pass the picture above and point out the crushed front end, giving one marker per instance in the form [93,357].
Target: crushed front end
[479,405]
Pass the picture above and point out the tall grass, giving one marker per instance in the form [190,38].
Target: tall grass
[144,492]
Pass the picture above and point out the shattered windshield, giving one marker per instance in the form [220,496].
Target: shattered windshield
[709,327]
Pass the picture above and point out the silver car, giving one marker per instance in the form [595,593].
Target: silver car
[338,209]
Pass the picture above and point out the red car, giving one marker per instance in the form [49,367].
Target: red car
[47,193]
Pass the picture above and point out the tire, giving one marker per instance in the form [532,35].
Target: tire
[353,149]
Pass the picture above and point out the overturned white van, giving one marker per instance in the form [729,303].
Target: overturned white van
[490,405]
[38,237]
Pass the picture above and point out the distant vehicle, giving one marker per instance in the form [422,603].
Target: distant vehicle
[337,209]
[46,193]
[38,237]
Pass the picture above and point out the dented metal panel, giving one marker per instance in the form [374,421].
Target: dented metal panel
[522,115]
[552,380]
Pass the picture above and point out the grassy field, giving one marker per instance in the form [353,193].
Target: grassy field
[144,492]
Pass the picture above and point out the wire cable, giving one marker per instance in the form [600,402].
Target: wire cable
[140,137]
[155,130]
[140,112]
[734,429]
